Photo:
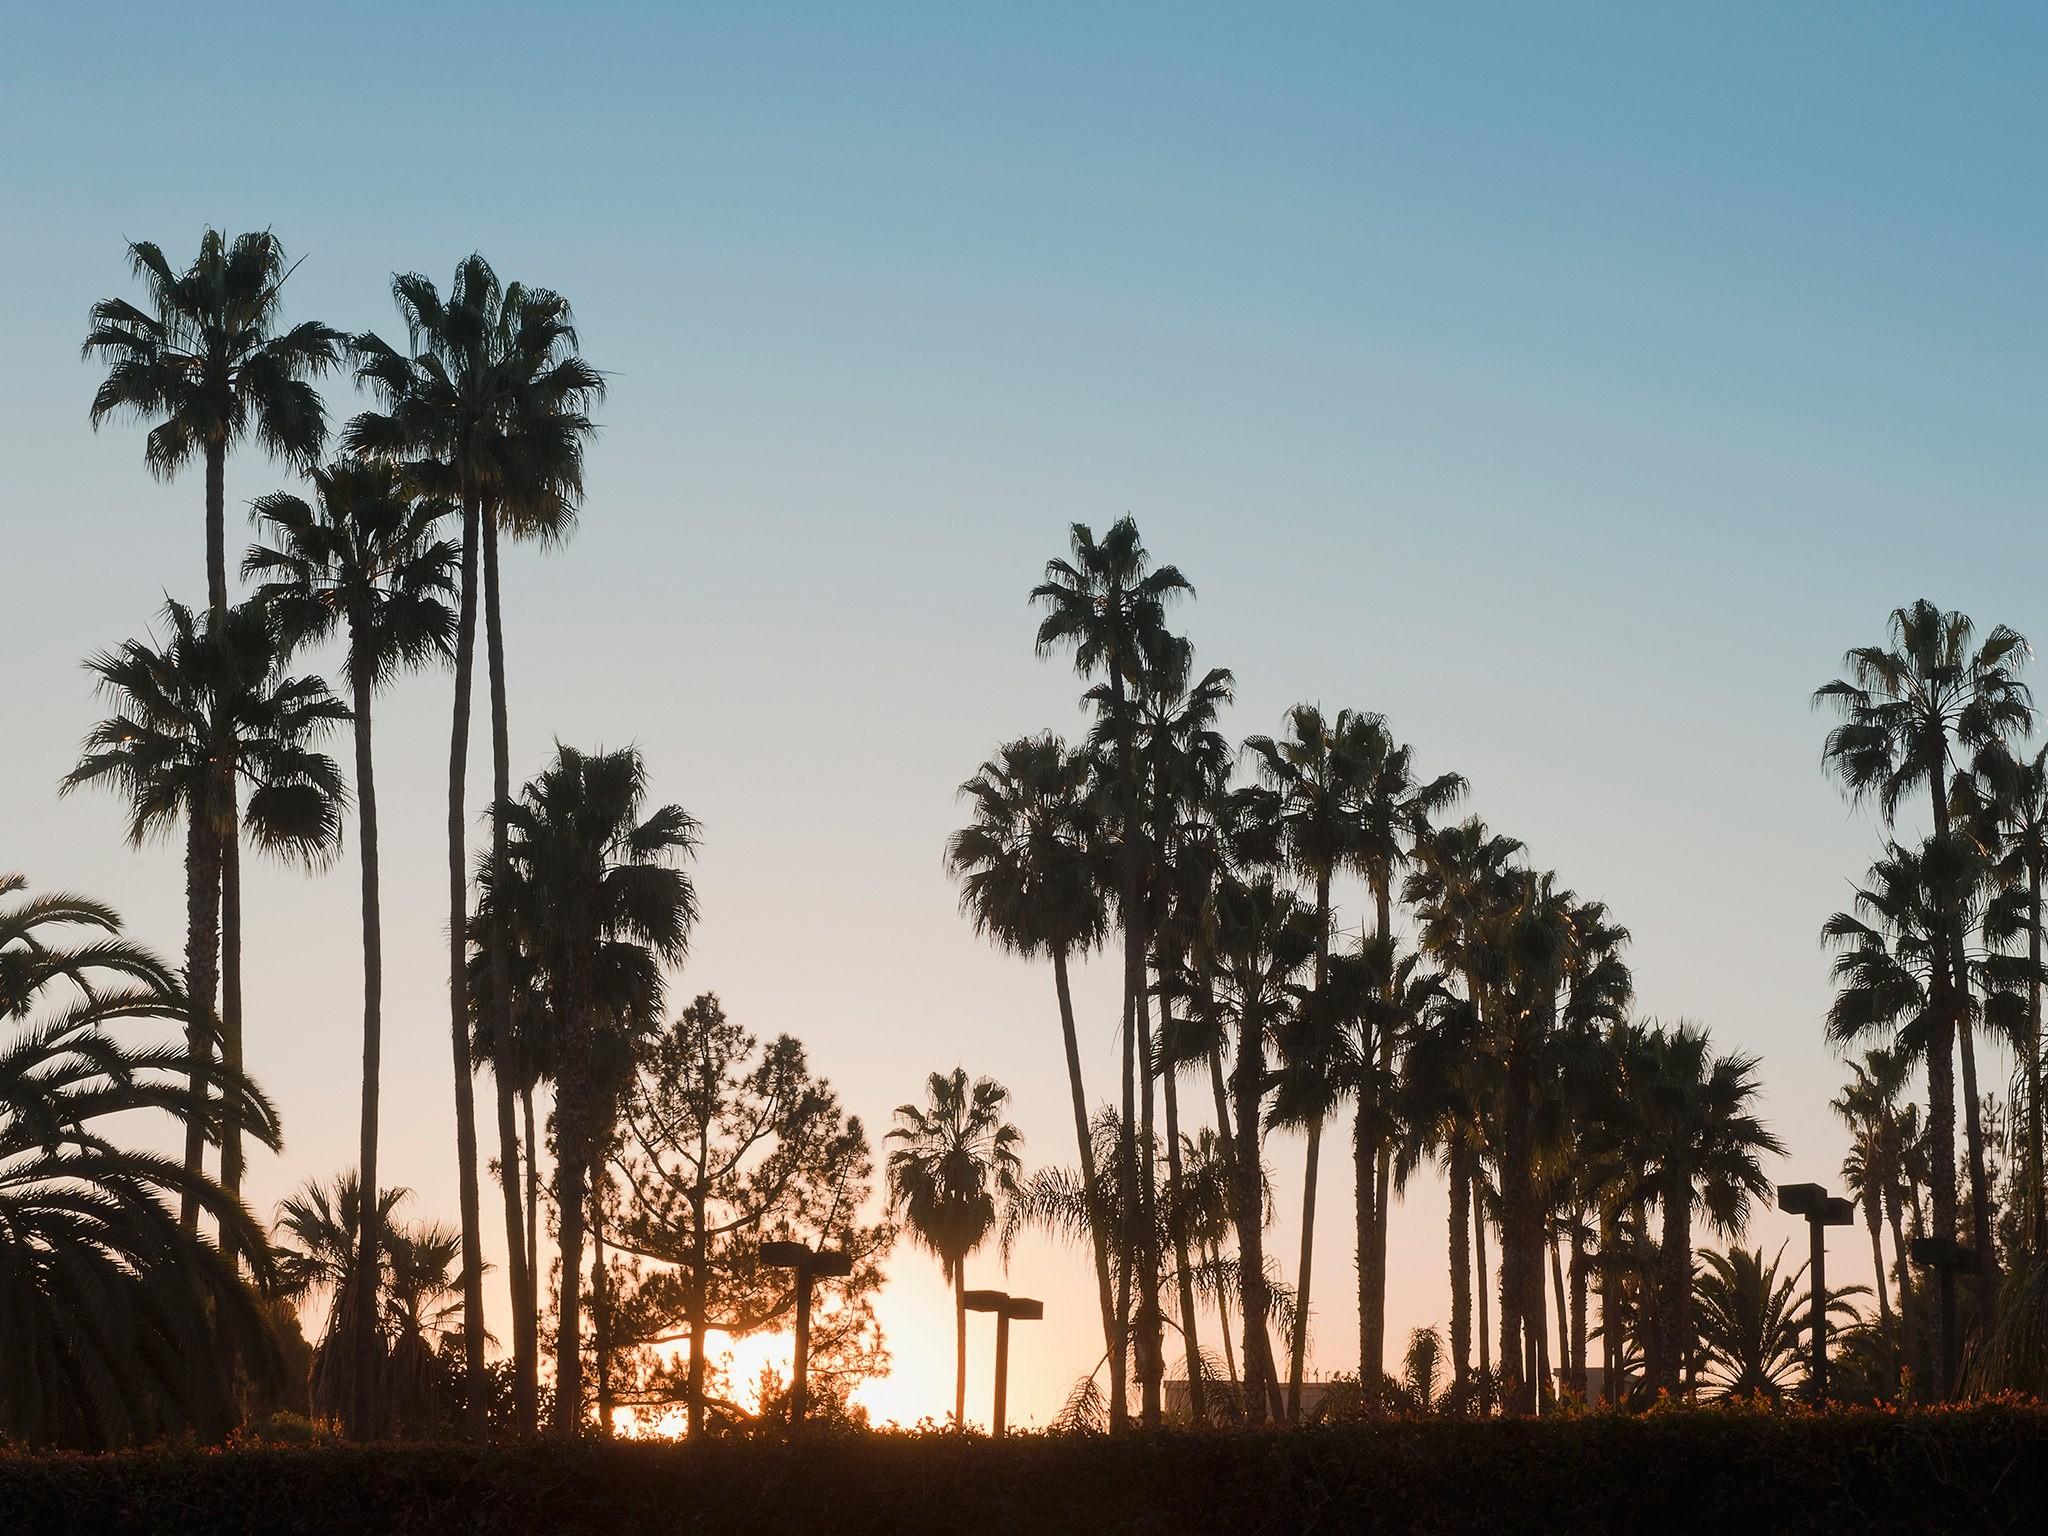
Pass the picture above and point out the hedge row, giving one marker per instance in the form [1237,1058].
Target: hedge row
[1983,1468]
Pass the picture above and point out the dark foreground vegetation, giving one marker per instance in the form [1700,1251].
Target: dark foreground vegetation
[1980,1468]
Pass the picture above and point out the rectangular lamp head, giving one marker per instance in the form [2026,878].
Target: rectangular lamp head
[1801,1199]
[785,1255]
[832,1263]
[984,1301]
[1838,1212]
[1025,1309]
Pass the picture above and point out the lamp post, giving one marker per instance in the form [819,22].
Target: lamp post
[1005,1307]
[1947,1258]
[1821,1211]
[809,1265]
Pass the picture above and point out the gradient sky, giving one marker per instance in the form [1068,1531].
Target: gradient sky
[1572,384]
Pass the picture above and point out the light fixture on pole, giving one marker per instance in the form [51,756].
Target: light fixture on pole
[810,1265]
[1006,1307]
[1821,1210]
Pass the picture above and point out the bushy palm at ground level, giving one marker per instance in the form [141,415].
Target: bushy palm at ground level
[1983,1468]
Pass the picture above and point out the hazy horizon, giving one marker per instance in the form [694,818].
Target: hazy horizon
[1570,390]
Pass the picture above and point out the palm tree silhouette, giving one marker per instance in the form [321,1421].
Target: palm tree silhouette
[1907,710]
[590,884]
[1109,604]
[361,558]
[123,1323]
[1027,872]
[955,1166]
[208,710]
[1753,1321]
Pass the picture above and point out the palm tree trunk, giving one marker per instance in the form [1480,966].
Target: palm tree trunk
[1127,1180]
[363,1345]
[233,1057]
[1581,1262]
[1561,1300]
[1151,1318]
[518,1274]
[1248,1210]
[1904,1343]
[1674,1306]
[216,525]
[1298,1345]
[959,1344]
[532,1191]
[525,1308]
[202,962]
[1873,1219]
[1383,1149]
[458,982]
[1370,1366]
[1479,1290]
[2037,1189]
[1138,1208]
[1461,1277]
[1198,1402]
[574,1132]
[600,1317]
[1973,1137]
[1091,1186]
[1215,1262]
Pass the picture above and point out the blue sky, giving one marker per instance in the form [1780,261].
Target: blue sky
[1573,384]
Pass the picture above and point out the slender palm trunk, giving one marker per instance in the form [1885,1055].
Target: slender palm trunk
[1873,1219]
[1904,1342]
[1383,1148]
[525,1297]
[532,1186]
[233,1056]
[1248,1209]
[1127,1181]
[959,1344]
[574,1132]
[1674,1305]
[2037,1190]
[1298,1344]
[1215,1262]
[458,982]
[1973,1140]
[1479,1290]
[600,1318]
[1136,1031]
[1151,1318]
[1581,1263]
[1091,1185]
[1517,1197]
[1560,1298]
[363,1345]
[1363,1188]
[1198,1400]
[1461,1276]
[202,973]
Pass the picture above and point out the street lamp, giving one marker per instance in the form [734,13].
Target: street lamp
[1005,1307]
[1821,1210]
[809,1265]
[1947,1258]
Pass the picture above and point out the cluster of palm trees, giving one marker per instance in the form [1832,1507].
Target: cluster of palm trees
[1939,950]
[477,435]
[1489,1029]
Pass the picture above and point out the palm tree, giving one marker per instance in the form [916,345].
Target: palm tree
[1867,1107]
[1312,825]
[1906,710]
[121,1323]
[215,693]
[1699,1145]
[955,1166]
[317,1236]
[484,407]
[208,364]
[1026,867]
[1109,604]
[1753,1322]
[589,884]
[363,559]
[2018,817]
[1395,811]
[1256,939]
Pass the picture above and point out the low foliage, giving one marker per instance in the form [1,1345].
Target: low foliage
[1783,1470]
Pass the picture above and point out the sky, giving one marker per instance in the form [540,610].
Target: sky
[1572,384]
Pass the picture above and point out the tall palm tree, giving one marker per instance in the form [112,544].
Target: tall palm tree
[2018,828]
[1311,818]
[1108,603]
[590,883]
[476,408]
[361,558]
[1026,867]
[1865,1107]
[207,363]
[1395,812]
[1256,939]
[121,1323]
[215,695]
[955,1165]
[1907,709]
[1700,1145]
